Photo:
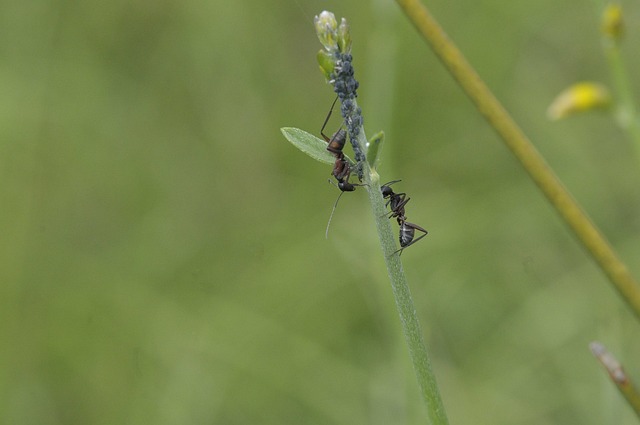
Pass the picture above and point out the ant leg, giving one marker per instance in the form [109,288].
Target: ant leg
[341,170]
[415,227]
[394,211]
[400,206]
[326,120]
[408,245]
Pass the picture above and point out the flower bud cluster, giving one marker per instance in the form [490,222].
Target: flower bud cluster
[335,62]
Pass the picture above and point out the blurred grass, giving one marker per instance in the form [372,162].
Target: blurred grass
[163,255]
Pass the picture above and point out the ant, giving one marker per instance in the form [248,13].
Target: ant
[341,168]
[396,203]
[335,144]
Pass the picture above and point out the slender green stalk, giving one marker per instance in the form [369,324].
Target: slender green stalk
[627,111]
[316,148]
[404,302]
[573,215]
[617,375]
[612,30]
[406,309]
[335,61]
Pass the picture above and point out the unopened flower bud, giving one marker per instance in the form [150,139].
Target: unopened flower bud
[327,30]
[580,97]
[327,63]
[344,37]
[612,23]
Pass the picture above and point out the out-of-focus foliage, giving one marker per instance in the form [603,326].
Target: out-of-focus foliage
[162,255]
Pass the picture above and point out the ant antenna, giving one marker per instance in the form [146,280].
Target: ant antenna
[326,233]
[342,190]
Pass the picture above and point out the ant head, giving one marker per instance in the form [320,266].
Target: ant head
[386,189]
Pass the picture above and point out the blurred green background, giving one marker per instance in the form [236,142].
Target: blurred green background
[163,257]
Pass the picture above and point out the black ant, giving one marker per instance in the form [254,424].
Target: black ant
[397,202]
[341,168]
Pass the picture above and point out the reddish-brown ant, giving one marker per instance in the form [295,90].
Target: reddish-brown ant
[335,144]
[341,168]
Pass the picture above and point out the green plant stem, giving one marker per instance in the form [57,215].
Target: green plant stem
[402,295]
[586,232]
[627,112]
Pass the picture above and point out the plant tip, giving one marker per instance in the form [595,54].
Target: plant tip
[344,37]
[612,23]
[327,30]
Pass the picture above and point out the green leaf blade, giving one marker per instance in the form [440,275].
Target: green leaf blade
[311,145]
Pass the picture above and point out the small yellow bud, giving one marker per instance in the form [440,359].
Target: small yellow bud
[612,23]
[580,97]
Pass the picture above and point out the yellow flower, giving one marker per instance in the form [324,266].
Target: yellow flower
[580,97]
[612,23]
